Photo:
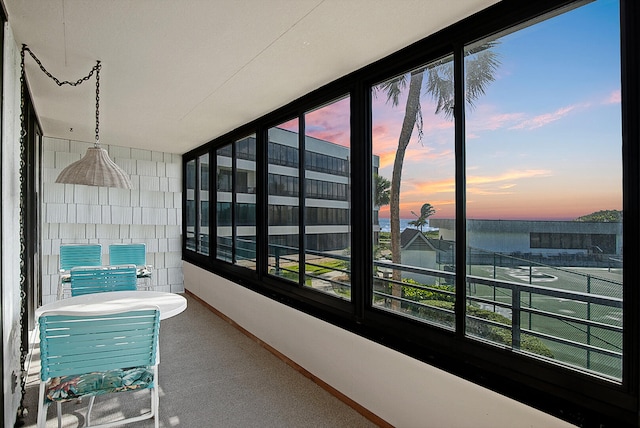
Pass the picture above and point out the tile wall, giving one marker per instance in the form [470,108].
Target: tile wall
[150,213]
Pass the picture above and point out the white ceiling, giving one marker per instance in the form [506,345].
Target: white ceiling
[176,74]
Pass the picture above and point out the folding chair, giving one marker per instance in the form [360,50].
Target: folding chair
[98,279]
[98,353]
[126,254]
[76,255]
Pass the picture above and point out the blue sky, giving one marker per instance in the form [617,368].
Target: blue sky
[543,142]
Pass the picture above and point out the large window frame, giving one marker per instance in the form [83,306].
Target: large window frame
[568,394]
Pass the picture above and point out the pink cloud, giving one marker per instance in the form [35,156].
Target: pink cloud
[547,118]
[614,97]
[330,123]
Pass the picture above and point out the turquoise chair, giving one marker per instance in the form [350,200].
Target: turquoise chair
[74,255]
[136,254]
[98,279]
[99,353]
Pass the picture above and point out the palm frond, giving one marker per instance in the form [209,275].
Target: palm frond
[393,88]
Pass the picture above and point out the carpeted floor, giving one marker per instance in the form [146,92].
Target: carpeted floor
[212,375]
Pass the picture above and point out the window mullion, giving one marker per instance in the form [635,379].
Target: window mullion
[460,227]
[301,202]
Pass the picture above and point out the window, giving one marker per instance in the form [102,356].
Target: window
[197,205]
[327,244]
[224,202]
[413,266]
[236,202]
[203,197]
[190,205]
[541,154]
[326,224]
[461,201]
[245,202]
[284,201]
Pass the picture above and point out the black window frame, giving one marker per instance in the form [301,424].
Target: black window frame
[570,395]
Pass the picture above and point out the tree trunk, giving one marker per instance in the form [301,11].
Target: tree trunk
[412,110]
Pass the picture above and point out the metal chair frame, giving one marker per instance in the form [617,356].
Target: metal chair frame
[73,255]
[135,253]
[98,279]
[99,342]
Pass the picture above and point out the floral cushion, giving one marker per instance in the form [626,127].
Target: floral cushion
[97,383]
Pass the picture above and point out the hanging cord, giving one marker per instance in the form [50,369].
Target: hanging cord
[22,410]
[96,69]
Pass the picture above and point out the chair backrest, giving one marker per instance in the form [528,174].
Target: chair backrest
[98,342]
[73,255]
[86,279]
[128,254]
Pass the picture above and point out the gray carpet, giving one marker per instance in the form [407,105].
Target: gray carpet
[212,375]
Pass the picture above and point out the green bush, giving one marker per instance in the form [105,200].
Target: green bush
[418,294]
[484,330]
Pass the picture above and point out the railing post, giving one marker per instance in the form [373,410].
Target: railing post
[277,272]
[494,265]
[515,317]
[588,326]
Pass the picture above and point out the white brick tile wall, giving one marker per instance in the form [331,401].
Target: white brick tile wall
[147,168]
[174,170]
[150,183]
[164,184]
[175,185]
[91,231]
[56,213]
[137,215]
[149,213]
[48,160]
[55,145]
[163,245]
[79,147]
[71,214]
[62,160]
[173,231]
[128,165]
[172,217]
[106,213]
[119,152]
[121,215]
[119,197]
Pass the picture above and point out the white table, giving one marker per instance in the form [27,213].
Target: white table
[170,304]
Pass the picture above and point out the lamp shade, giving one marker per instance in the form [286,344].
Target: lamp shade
[95,169]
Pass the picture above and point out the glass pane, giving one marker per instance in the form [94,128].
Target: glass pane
[203,212]
[327,202]
[224,182]
[245,208]
[414,159]
[544,190]
[191,205]
[284,201]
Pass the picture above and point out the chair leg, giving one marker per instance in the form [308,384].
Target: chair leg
[88,417]
[155,404]
[59,411]
[42,408]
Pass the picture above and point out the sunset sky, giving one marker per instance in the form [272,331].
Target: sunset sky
[544,142]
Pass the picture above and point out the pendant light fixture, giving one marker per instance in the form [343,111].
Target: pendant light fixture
[95,168]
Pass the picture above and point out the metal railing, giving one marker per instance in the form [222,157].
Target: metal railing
[526,307]
[587,336]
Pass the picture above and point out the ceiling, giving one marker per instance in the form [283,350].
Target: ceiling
[176,74]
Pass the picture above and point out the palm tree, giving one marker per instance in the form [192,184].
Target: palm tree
[419,223]
[480,68]
[381,195]
[426,211]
